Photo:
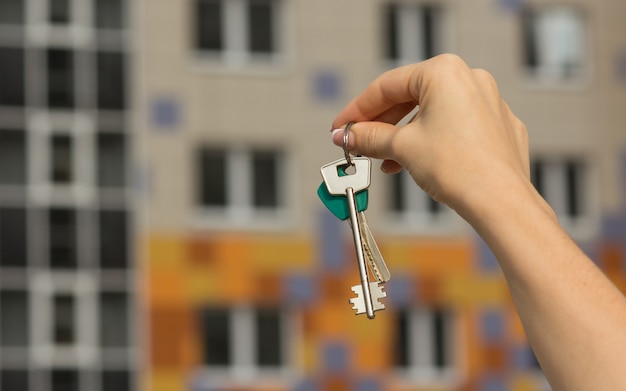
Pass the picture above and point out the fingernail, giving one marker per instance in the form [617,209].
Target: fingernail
[337,136]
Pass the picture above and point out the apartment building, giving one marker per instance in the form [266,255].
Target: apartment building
[249,277]
[67,265]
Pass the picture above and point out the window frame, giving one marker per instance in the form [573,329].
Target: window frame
[239,210]
[243,369]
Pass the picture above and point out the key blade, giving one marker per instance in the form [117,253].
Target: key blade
[374,258]
[358,181]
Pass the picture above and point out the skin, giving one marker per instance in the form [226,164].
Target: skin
[467,149]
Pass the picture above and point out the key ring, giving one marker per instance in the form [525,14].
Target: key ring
[346,135]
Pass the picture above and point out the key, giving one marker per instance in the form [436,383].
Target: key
[338,205]
[377,293]
[350,184]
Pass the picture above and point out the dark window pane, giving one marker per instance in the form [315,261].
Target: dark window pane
[573,172]
[113,238]
[116,381]
[265,177]
[12,11]
[109,14]
[59,11]
[429,15]
[64,314]
[13,380]
[530,40]
[60,78]
[216,337]
[64,380]
[209,25]
[260,32]
[401,345]
[14,319]
[111,160]
[62,238]
[13,237]
[392,49]
[111,81]
[114,314]
[434,207]
[536,175]
[12,156]
[213,190]
[397,199]
[441,359]
[62,162]
[269,346]
[12,90]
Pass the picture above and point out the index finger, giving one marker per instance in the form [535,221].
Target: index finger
[392,88]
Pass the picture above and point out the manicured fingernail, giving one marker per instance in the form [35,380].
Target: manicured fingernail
[337,136]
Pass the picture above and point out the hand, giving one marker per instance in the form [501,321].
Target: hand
[462,142]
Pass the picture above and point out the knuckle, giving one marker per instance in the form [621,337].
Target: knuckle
[485,78]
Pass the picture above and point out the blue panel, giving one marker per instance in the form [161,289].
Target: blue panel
[335,356]
[614,228]
[368,385]
[493,383]
[300,289]
[327,85]
[486,259]
[492,326]
[620,67]
[400,290]
[511,5]
[165,112]
[332,242]
[307,385]
[524,358]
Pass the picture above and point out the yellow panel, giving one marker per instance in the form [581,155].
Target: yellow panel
[166,381]
[277,255]
[474,291]
[165,251]
[204,285]
[442,258]
[524,383]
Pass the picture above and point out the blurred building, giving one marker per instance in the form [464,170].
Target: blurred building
[223,270]
[67,269]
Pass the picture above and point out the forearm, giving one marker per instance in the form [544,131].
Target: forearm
[573,316]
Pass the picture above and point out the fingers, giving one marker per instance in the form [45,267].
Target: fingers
[373,139]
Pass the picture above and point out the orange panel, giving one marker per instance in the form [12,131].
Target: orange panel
[166,251]
[474,291]
[167,381]
[166,287]
[442,258]
[168,327]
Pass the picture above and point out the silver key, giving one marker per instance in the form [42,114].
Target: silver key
[349,185]
[377,293]
[374,258]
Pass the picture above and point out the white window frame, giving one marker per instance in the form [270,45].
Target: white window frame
[411,45]
[550,26]
[420,334]
[243,371]
[239,211]
[235,57]
[587,224]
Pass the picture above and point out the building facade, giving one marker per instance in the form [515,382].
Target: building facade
[248,276]
[68,289]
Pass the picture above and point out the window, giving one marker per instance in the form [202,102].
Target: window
[409,204]
[241,182]
[554,42]
[63,309]
[13,239]
[13,379]
[62,242]
[60,78]
[240,337]
[109,14]
[238,30]
[12,157]
[61,166]
[424,343]
[565,185]
[12,68]
[59,11]
[114,319]
[116,380]
[414,32]
[111,81]
[113,237]
[14,319]
[111,162]
[12,12]
[64,380]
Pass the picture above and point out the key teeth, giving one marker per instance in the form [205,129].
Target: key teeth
[358,302]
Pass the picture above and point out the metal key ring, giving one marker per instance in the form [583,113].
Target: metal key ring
[346,135]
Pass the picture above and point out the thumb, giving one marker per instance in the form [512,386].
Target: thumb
[373,139]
